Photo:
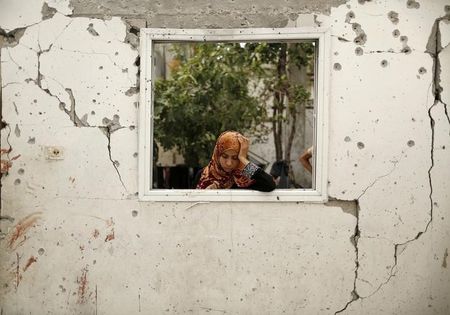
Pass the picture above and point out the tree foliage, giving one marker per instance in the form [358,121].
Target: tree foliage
[212,89]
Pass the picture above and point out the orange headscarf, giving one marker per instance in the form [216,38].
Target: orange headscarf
[215,174]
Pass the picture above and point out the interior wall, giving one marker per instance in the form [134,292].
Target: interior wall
[76,240]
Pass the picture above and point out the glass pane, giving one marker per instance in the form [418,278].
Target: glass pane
[264,90]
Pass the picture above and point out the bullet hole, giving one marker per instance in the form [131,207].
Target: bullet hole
[21,171]
[132,127]
[404,38]
[31,140]
[360,39]
[347,139]
[41,251]
[360,145]
[100,68]
[384,63]
[422,70]
[94,262]
[137,62]
[92,112]
[116,163]
[116,117]
[116,53]
[359,51]
[131,91]
[396,33]
[125,70]
[393,17]
[350,15]
[135,154]
[411,4]
[134,213]
[337,66]
[91,30]
[406,50]
[94,101]
[35,101]
[17,182]
[411,143]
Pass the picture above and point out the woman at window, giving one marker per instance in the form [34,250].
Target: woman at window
[230,168]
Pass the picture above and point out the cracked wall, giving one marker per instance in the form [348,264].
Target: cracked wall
[73,233]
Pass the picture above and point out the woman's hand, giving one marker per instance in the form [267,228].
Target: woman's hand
[214,185]
[243,151]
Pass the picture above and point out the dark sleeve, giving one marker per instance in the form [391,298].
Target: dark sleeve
[197,178]
[263,181]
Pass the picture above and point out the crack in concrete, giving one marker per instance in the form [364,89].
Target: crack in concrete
[107,131]
[72,114]
[12,37]
[434,48]
[380,177]
[354,239]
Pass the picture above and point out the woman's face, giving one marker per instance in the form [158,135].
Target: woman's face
[229,160]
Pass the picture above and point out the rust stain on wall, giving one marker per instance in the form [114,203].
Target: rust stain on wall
[110,236]
[82,286]
[18,275]
[21,228]
[30,261]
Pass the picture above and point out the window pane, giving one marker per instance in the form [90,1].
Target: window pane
[265,90]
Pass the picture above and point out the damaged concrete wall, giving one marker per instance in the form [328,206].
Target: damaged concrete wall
[75,239]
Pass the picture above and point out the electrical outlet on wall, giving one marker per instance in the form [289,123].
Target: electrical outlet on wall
[54,152]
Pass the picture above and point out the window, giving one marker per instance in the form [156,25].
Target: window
[269,84]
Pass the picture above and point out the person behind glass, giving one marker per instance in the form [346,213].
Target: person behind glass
[230,168]
[305,158]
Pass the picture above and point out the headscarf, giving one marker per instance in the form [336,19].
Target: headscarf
[214,173]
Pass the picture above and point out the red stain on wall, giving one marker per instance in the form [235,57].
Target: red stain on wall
[110,236]
[20,230]
[30,261]
[18,275]
[82,286]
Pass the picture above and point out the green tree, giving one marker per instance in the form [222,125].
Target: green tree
[208,93]
[229,86]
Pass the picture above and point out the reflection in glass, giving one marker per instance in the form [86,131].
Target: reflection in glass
[265,90]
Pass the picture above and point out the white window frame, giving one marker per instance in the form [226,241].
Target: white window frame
[322,74]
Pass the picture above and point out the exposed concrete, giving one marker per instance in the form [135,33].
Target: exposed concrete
[211,14]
